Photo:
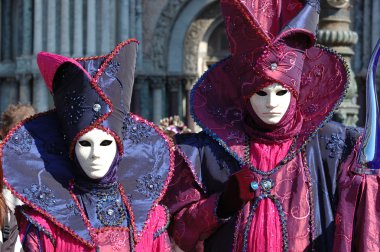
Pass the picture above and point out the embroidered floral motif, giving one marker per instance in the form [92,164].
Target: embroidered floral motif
[41,195]
[135,131]
[74,107]
[112,68]
[21,141]
[73,208]
[150,185]
[109,207]
[335,145]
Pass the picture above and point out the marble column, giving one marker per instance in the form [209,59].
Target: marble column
[123,22]
[91,28]
[27,28]
[51,30]
[25,95]
[8,93]
[40,92]
[157,84]
[138,32]
[174,86]
[137,95]
[6,30]
[78,28]
[105,16]
[65,27]
[188,83]
[334,31]
[132,17]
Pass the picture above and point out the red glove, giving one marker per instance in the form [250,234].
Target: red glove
[237,193]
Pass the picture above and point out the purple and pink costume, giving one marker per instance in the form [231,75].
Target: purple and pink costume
[64,209]
[307,193]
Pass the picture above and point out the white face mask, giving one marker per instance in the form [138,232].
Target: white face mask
[95,152]
[271,103]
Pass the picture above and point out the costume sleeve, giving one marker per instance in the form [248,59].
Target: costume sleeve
[33,235]
[357,220]
[194,217]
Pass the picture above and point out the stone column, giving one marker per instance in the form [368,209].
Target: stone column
[157,84]
[175,97]
[188,83]
[334,31]
[91,28]
[27,19]
[123,22]
[65,27]
[40,92]
[138,32]
[132,17]
[6,30]
[51,30]
[8,93]
[25,94]
[105,16]
[78,28]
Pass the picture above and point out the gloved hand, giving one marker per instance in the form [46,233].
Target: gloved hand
[237,193]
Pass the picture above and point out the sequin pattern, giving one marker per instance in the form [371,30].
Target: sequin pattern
[135,131]
[41,195]
[74,107]
[21,141]
[335,145]
[150,185]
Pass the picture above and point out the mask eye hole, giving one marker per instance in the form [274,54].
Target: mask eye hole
[261,93]
[85,143]
[106,143]
[282,92]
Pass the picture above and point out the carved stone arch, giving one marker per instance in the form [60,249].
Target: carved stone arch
[196,40]
[188,31]
[162,33]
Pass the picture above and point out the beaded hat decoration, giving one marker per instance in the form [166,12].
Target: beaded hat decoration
[91,92]
[270,42]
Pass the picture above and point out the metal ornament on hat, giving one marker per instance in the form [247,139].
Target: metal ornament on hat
[369,154]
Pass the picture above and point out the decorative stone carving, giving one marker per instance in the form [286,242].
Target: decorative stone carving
[162,32]
[335,32]
[339,3]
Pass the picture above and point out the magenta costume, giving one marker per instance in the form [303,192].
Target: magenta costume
[305,192]
[64,209]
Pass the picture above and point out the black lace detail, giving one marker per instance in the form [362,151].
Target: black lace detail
[150,185]
[316,4]
[335,145]
[74,107]
[40,195]
[135,131]
[112,68]
[21,141]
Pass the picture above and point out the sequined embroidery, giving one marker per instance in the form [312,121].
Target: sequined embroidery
[74,107]
[112,68]
[150,185]
[21,141]
[135,131]
[74,210]
[335,145]
[40,195]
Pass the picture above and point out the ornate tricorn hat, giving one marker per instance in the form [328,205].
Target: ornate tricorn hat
[91,92]
[269,43]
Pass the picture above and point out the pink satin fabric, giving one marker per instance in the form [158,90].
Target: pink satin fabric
[265,233]
[107,240]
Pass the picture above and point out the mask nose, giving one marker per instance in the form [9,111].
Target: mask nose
[272,101]
[95,152]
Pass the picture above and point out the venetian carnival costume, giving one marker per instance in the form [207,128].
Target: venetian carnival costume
[64,209]
[262,187]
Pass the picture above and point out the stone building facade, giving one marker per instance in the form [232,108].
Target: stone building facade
[179,39]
